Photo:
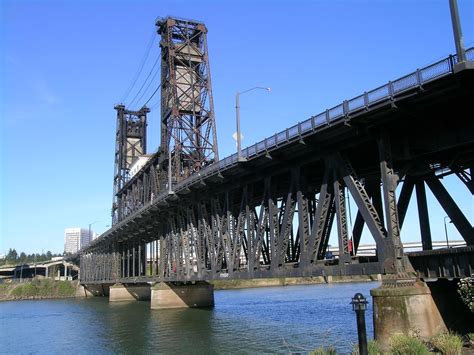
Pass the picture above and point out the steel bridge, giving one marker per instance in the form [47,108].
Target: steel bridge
[271,214]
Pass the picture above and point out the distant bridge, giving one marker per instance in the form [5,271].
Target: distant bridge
[273,213]
[371,249]
[58,269]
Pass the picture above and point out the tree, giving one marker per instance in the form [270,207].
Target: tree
[48,255]
[22,257]
[12,255]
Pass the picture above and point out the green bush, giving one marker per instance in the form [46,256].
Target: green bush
[466,291]
[324,351]
[373,348]
[447,343]
[405,345]
[471,336]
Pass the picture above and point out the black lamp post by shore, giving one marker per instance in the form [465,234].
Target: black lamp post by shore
[359,305]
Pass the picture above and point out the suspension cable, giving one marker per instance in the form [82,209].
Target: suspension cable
[154,92]
[145,82]
[140,68]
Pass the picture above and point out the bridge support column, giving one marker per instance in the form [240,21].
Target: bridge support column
[169,295]
[82,291]
[404,309]
[88,290]
[136,292]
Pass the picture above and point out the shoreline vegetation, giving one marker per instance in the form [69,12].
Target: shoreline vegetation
[38,288]
[447,343]
[44,288]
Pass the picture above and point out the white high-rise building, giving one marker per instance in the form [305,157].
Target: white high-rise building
[75,239]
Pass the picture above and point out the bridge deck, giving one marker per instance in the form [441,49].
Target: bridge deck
[419,111]
[368,104]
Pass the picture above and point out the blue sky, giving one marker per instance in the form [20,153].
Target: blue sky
[64,64]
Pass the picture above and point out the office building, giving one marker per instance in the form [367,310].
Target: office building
[76,238]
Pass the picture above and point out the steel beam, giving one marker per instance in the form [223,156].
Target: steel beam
[423,215]
[461,223]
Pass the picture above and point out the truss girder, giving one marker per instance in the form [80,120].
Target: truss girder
[458,218]
[275,225]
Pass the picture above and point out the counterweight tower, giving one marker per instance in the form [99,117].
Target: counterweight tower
[130,143]
[188,129]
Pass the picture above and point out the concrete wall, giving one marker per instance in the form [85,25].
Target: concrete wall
[403,310]
[427,308]
[88,290]
[136,292]
[168,295]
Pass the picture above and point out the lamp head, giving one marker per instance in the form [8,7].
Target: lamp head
[359,302]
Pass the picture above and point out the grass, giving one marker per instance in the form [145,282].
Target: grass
[406,345]
[38,288]
[324,351]
[447,343]
[373,348]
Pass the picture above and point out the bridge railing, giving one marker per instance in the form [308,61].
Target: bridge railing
[315,123]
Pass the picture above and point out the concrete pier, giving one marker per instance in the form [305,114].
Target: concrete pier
[405,309]
[121,292]
[82,291]
[90,290]
[168,295]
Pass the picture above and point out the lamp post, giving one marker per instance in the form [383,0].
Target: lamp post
[446,231]
[359,305]
[237,117]
[90,224]
[458,41]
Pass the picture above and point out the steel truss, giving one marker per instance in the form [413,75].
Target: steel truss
[130,143]
[278,225]
[276,214]
[188,130]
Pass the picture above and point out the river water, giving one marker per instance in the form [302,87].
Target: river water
[289,319]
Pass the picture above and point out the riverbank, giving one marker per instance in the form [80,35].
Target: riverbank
[43,288]
[288,281]
[37,289]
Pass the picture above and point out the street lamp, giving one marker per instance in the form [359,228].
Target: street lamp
[446,231]
[456,23]
[90,224]
[237,117]
[359,305]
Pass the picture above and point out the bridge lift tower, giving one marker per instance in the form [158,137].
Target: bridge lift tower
[130,143]
[188,129]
